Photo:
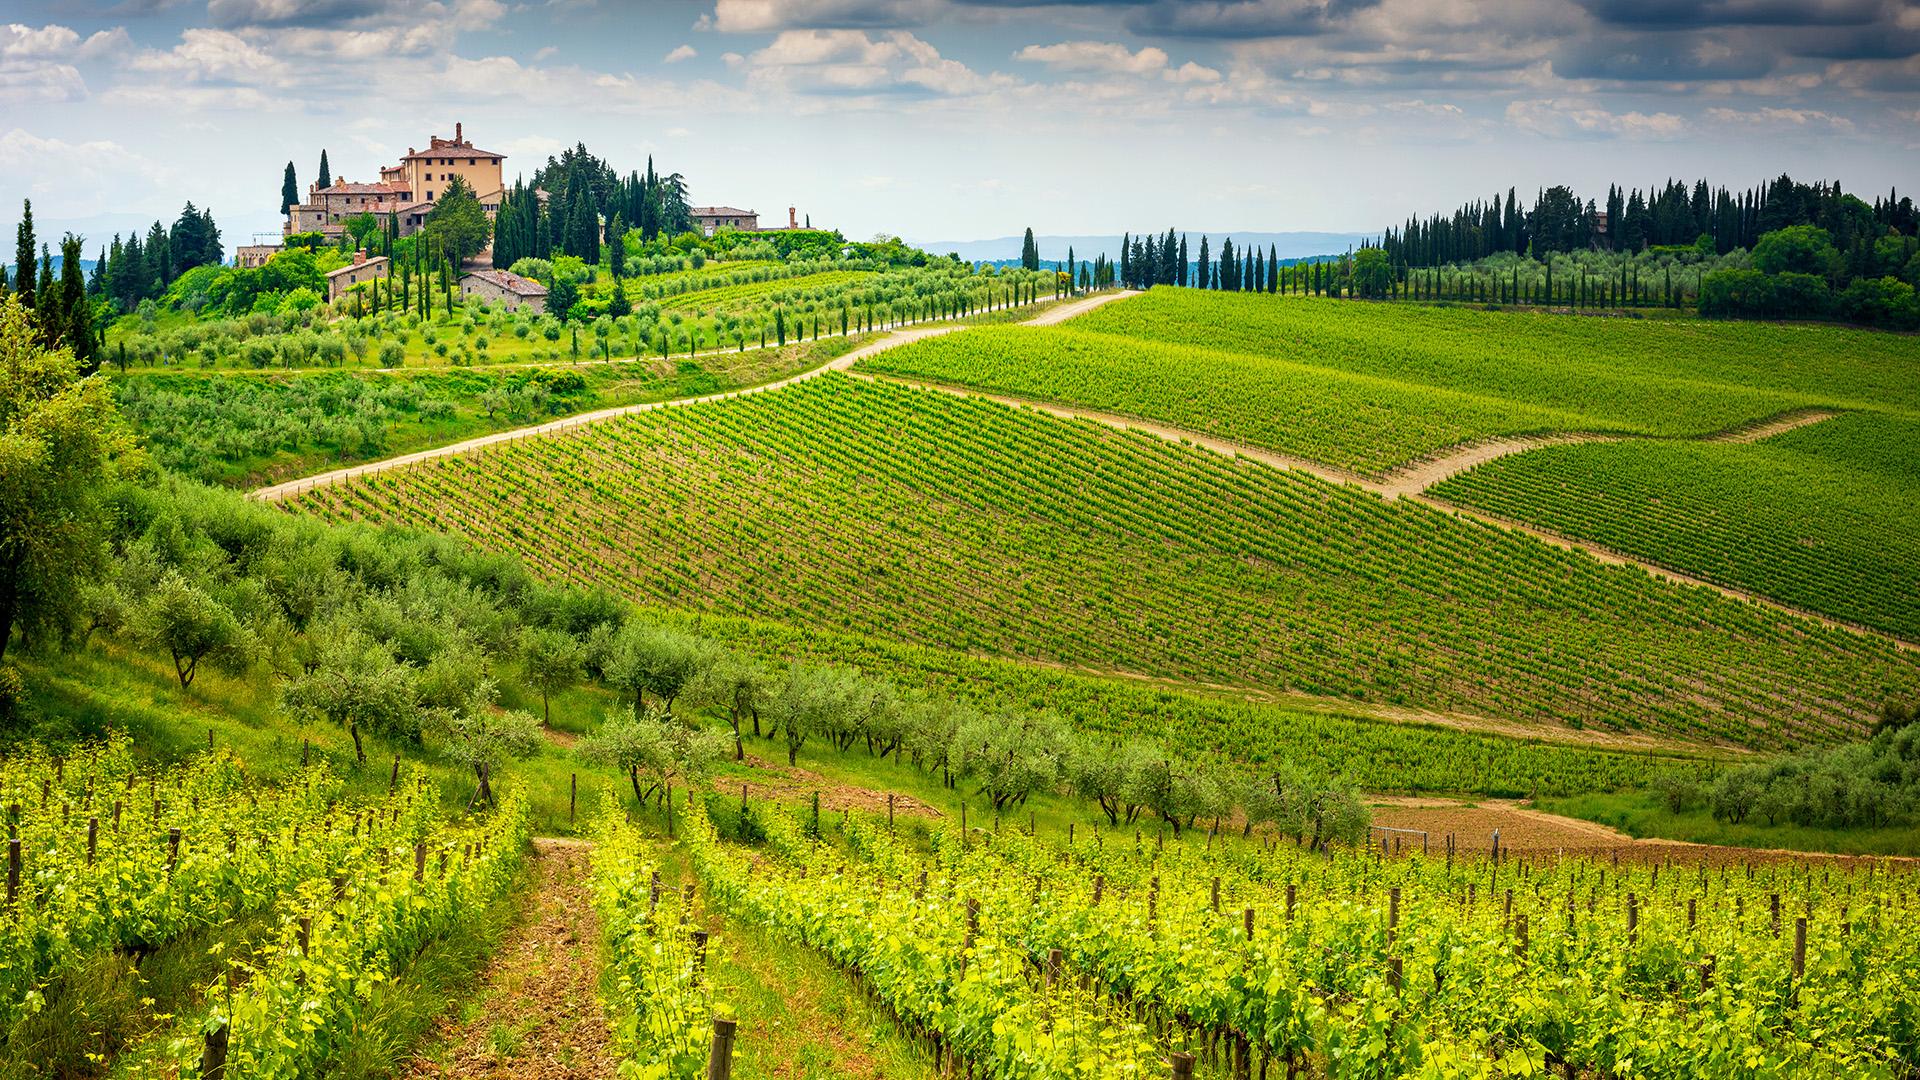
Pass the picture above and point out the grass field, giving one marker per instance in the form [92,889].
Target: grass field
[1817,517]
[1369,387]
[918,516]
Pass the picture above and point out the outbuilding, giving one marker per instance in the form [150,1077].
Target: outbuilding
[506,288]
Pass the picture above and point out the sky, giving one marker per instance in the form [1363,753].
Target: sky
[960,119]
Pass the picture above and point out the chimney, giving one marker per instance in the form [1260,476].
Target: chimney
[360,256]
[456,134]
[792,222]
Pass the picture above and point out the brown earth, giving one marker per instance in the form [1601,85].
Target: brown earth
[538,1014]
[784,783]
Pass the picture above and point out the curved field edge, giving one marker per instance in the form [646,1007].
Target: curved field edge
[971,526]
[1297,377]
[1807,518]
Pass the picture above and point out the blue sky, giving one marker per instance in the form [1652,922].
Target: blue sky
[942,119]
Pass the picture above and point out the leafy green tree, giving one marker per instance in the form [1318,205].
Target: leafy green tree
[354,681]
[655,660]
[61,445]
[654,746]
[1798,249]
[551,661]
[480,739]
[192,626]
[1372,272]
[744,687]
[619,304]
[457,224]
[1009,756]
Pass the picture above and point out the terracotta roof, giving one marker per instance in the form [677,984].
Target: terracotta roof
[509,281]
[452,152]
[343,188]
[722,211]
[374,261]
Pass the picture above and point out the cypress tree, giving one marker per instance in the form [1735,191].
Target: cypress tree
[326,174]
[289,191]
[1200,269]
[23,257]
[1126,258]
[1029,252]
[1181,278]
[1273,269]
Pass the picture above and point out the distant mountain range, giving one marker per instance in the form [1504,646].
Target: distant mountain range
[1288,245]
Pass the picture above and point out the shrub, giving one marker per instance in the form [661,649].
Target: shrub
[1887,302]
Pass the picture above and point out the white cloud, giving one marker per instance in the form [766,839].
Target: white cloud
[1779,119]
[66,178]
[1573,117]
[854,63]
[683,52]
[21,42]
[1108,56]
[205,55]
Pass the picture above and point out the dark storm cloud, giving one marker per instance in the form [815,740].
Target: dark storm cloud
[1668,57]
[1653,14]
[323,13]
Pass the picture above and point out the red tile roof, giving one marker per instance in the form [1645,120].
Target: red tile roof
[341,187]
[721,211]
[451,152]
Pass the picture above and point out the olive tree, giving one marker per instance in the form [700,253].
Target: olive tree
[644,660]
[655,746]
[743,686]
[1008,756]
[480,739]
[192,627]
[355,681]
[550,661]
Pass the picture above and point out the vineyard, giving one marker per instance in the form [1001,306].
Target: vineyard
[1655,377]
[977,528]
[107,855]
[1363,423]
[1108,952]
[1805,517]
[224,429]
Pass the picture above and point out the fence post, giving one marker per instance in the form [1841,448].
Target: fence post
[720,1058]
[1799,949]
[573,794]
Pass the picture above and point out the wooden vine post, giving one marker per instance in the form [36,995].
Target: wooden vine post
[720,1057]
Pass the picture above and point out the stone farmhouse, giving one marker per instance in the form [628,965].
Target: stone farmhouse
[405,191]
[358,272]
[711,219]
[508,289]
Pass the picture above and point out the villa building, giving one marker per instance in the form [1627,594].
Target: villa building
[404,192]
